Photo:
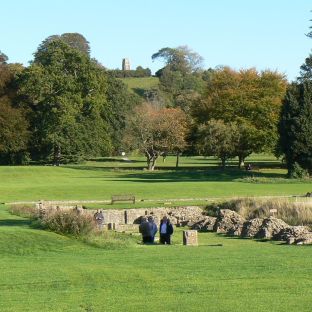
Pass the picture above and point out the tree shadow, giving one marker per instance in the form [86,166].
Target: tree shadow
[118,160]
[213,175]
[139,91]
[15,222]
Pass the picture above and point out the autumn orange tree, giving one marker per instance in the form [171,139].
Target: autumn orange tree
[249,98]
[156,131]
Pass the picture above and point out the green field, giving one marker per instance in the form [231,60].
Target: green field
[140,85]
[197,178]
[43,271]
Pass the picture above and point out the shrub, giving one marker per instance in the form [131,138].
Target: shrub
[26,211]
[68,222]
[297,172]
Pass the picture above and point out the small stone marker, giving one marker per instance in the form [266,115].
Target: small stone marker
[273,211]
[190,238]
[111,226]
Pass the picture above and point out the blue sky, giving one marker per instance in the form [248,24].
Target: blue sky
[238,33]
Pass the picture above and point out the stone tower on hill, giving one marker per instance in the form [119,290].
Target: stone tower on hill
[125,64]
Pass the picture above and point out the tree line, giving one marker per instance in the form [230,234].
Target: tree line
[65,107]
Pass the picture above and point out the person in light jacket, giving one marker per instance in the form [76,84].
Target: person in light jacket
[153,228]
[165,231]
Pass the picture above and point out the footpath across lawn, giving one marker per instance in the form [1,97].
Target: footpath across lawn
[43,271]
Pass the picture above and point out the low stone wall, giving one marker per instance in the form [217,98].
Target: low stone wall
[181,215]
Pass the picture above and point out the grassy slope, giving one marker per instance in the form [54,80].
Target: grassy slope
[100,179]
[139,85]
[42,271]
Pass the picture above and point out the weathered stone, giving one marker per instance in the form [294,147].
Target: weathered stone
[229,222]
[190,238]
[127,227]
[305,239]
[271,227]
[204,225]
[295,232]
[180,216]
[111,226]
[251,227]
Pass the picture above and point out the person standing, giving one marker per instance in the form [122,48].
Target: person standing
[153,228]
[145,229]
[165,231]
[99,219]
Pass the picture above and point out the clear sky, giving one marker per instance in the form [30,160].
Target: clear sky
[239,33]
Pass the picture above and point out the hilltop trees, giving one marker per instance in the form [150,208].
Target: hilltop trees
[180,79]
[3,58]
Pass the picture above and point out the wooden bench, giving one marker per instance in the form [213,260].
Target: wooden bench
[121,198]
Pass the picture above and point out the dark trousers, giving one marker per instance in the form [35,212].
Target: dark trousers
[147,239]
[165,239]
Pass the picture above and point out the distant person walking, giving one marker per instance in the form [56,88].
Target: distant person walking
[145,229]
[99,219]
[153,228]
[165,231]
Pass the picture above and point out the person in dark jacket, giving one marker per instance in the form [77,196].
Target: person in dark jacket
[153,228]
[165,231]
[145,229]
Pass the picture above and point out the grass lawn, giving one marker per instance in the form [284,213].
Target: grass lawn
[43,271]
[140,85]
[99,179]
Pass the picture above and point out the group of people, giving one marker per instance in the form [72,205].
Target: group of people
[148,229]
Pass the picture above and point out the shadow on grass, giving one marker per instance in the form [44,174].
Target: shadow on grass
[253,239]
[181,174]
[118,160]
[15,222]
[213,175]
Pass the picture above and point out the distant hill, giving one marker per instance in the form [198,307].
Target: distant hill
[140,85]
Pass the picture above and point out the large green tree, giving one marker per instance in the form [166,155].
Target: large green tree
[251,99]
[120,103]
[74,40]
[181,78]
[219,139]
[66,94]
[296,126]
[13,123]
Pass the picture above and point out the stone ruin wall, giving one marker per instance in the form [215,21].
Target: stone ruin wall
[177,215]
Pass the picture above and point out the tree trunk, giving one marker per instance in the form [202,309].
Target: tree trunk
[57,155]
[178,159]
[151,162]
[223,162]
[241,160]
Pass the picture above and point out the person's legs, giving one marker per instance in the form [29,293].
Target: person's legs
[168,239]
[162,238]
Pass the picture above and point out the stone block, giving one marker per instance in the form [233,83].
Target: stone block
[190,238]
